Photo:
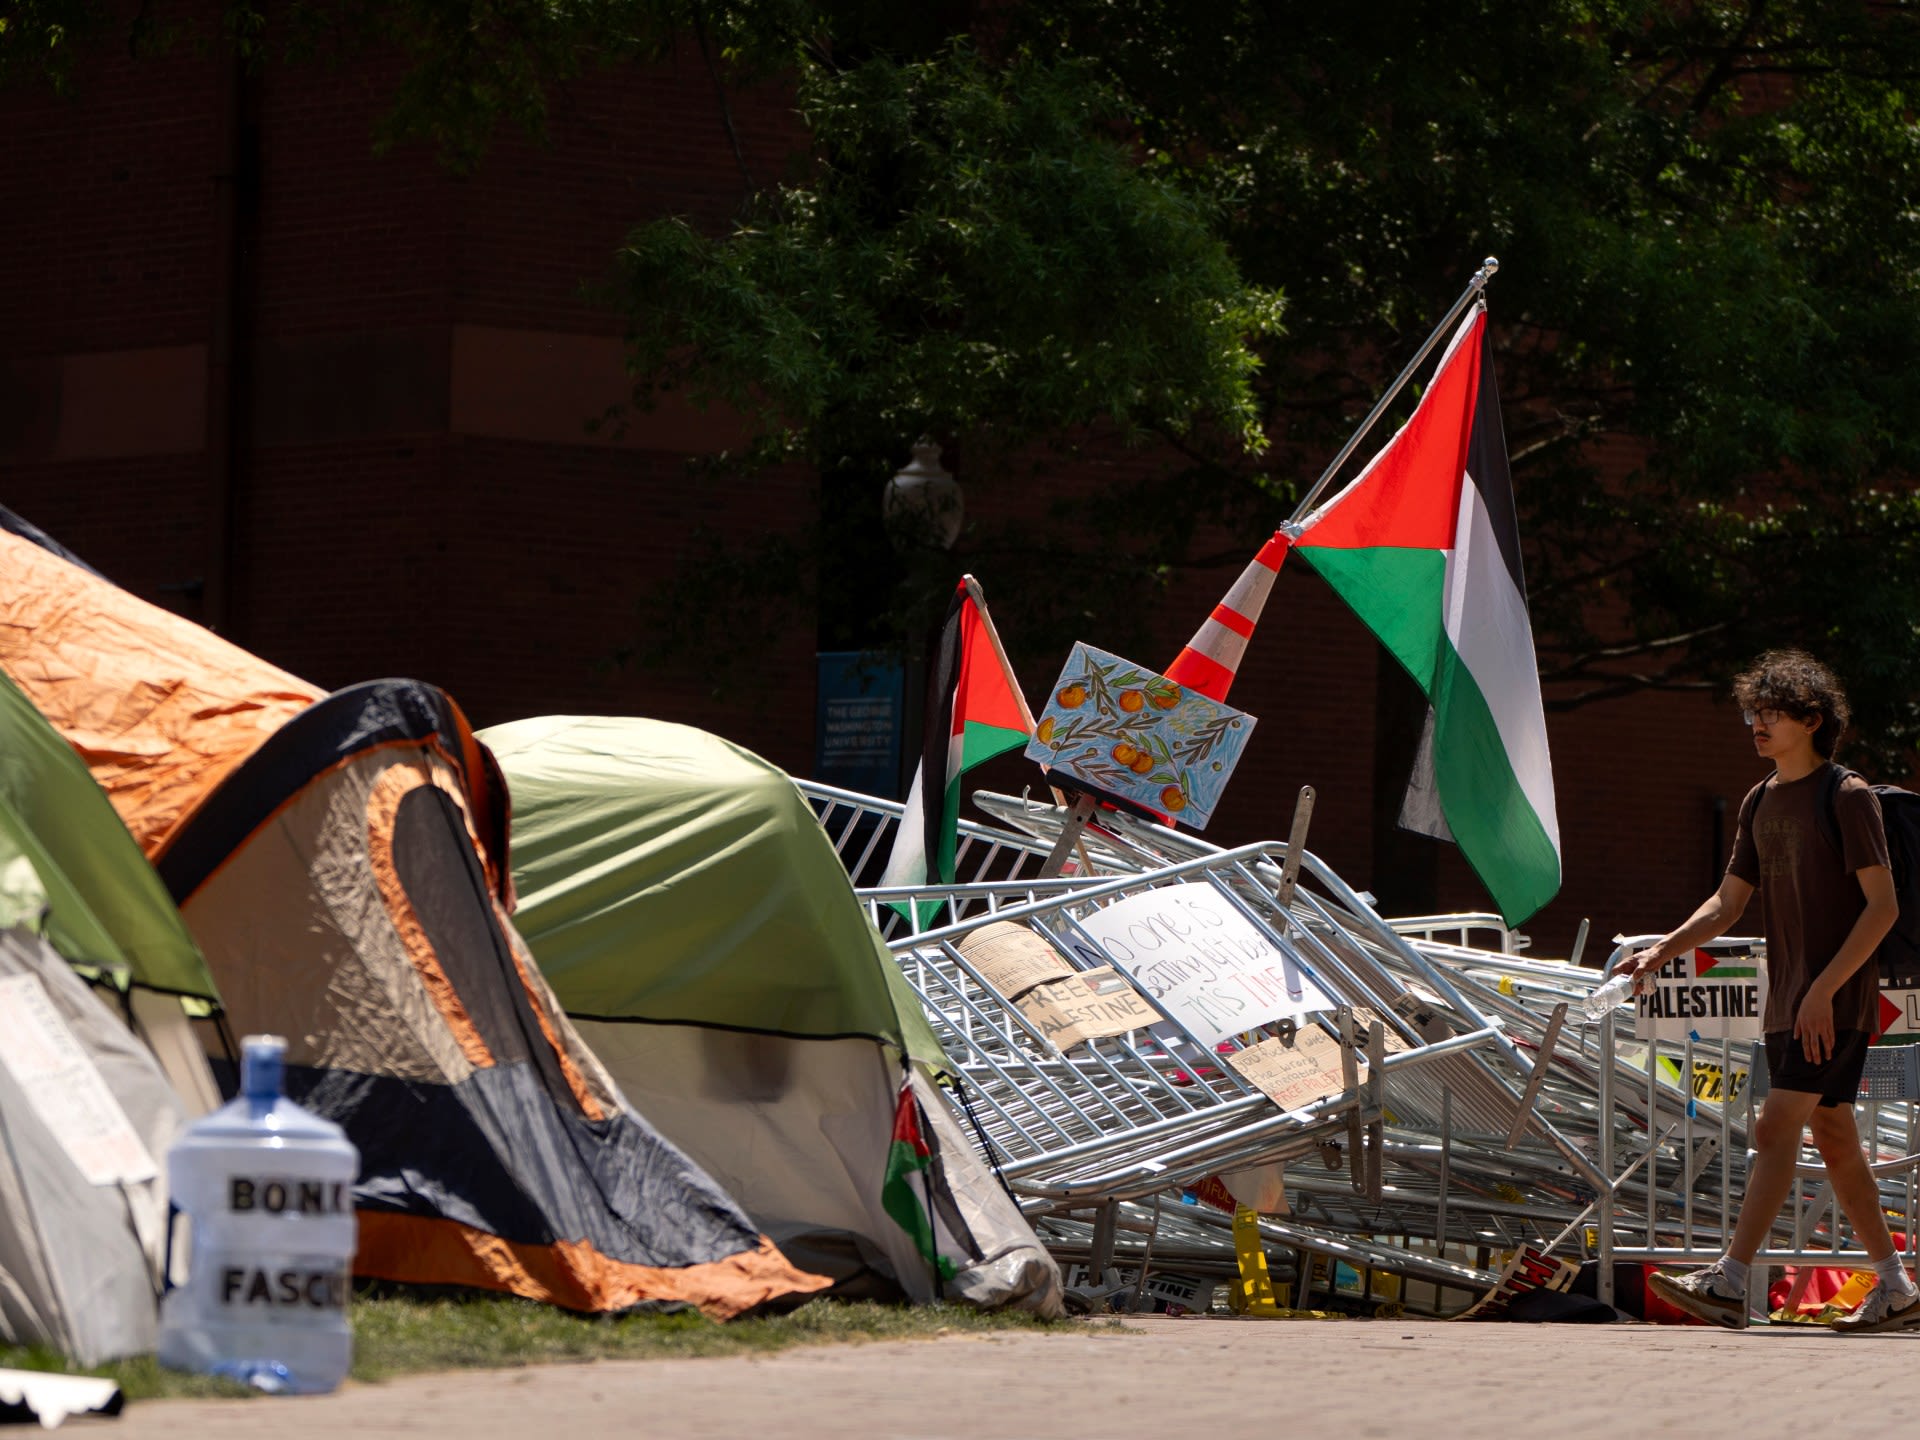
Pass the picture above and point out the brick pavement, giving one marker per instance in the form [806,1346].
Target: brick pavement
[1194,1377]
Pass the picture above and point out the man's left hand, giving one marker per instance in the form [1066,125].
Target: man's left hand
[1813,1026]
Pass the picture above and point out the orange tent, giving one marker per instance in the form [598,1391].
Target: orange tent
[161,709]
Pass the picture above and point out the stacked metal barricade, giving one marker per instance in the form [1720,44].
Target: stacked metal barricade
[1487,1120]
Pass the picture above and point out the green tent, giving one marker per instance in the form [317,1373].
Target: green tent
[628,828]
[69,869]
[70,872]
[697,926]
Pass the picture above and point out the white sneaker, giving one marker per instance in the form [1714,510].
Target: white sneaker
[1884,1309]
[1707,1294]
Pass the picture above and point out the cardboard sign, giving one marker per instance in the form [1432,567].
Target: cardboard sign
[1294,1076]
[64,1089]
[1421,1011]
[1087,1005]
[1363,1018]
[1175,1294]
[1011,958]
[1126,731]
[1706,995]
[1202,962]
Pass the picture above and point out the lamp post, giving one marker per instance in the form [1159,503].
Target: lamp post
[922,503]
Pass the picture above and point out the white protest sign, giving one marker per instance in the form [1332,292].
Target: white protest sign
[64,1089]
[1706,995]
[1202,962]
[1899,1014]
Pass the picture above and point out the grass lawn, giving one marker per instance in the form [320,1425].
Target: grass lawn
[402,1334]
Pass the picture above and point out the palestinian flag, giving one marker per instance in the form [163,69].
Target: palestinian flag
[1425,548]
[915,1193]
[975,711]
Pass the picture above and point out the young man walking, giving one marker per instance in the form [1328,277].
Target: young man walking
[1825,911]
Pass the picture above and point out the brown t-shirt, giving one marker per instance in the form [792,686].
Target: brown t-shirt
[1809,895]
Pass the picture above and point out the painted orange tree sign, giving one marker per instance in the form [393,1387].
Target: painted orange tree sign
[1127,731]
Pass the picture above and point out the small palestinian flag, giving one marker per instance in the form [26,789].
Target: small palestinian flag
[1710,966]
[975,711]
[915,1193]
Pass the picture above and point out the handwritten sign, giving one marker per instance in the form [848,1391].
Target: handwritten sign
[65,1090]
[1294,1076]
[1012,959]
[1422,1012]
[1364,1017]
[1129,732]
[1706,995]
[1087,1005]
[1202,962]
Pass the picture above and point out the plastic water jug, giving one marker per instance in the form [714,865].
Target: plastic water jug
[267,1192]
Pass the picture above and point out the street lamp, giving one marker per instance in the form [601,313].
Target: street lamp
[922,503]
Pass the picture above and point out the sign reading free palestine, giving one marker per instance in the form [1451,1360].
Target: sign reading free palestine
[1706,995]
[1202,962]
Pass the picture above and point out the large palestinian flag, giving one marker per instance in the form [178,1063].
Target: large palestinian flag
[1425,548]
[974,712]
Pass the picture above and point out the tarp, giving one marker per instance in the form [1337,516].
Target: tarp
[626,828]
[86,1117]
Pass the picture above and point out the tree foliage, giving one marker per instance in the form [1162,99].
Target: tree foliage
[1707,316]
[1069,222]
[973,253]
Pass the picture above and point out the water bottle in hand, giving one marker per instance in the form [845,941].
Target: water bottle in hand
[1616,991]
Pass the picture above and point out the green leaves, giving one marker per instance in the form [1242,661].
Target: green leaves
[977,254]
[1078,228]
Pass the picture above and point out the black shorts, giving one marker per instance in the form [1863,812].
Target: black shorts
[1836,1080]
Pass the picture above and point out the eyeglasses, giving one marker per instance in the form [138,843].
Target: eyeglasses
[1765,717]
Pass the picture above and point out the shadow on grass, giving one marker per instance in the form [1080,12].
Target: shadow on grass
[401,1334]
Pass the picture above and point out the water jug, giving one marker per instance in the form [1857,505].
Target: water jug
[266,1190]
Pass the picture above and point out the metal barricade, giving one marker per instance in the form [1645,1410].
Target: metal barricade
[1459,1150]
[1500,1123]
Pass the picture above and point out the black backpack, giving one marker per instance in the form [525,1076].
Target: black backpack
[1899,953]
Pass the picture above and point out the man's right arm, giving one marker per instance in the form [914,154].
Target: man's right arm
[1717,915]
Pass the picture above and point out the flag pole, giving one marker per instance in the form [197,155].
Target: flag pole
[1475,287]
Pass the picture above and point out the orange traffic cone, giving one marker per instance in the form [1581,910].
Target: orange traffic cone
[1213,655]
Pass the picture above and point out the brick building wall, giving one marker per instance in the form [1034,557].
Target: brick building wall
[415,490]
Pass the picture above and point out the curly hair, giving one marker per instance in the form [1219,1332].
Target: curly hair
[1793,681]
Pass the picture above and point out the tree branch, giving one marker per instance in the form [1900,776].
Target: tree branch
[720,94]
[1576,667]
[1627,685]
